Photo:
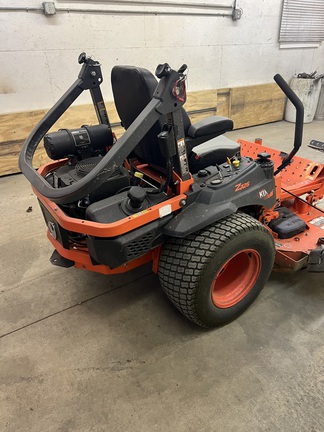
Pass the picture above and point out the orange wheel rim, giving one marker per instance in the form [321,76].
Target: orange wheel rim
[236,278]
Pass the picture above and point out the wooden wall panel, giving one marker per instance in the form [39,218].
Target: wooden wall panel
[254,105]
[201,100]
[14,129]
[223,102]
[247,106]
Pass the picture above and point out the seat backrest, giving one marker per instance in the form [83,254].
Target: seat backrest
[133,89]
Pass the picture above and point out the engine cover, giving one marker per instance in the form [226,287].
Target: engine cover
[69,174]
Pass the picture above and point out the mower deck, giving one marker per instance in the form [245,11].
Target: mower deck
[301,183]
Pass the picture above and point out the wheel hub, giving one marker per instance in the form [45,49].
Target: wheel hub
[236,278]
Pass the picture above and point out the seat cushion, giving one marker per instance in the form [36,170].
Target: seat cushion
[133,89]
[128,83]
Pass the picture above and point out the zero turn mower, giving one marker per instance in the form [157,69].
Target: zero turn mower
[212,215]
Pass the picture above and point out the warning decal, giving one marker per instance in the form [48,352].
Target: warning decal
[319,222]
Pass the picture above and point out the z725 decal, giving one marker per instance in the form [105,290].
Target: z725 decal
[241,186]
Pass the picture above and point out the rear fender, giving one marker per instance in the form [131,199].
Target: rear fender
[211,202]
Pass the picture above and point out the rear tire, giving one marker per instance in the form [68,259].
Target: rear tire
[212,276]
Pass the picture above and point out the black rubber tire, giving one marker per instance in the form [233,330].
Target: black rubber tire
[188,267]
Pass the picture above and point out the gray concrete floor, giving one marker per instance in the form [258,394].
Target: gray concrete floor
[86,352]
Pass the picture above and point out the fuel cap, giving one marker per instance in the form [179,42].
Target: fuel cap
[136,197]
[202,173]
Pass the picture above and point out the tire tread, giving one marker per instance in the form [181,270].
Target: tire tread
[183,260]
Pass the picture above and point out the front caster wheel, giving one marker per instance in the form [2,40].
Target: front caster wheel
[214,275]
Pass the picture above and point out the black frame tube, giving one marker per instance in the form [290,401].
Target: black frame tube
[299,125]
[163,102]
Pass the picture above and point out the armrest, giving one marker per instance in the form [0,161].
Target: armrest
[222,145]
[214,151]
[214,125]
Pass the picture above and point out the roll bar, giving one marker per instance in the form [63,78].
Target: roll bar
[90,77]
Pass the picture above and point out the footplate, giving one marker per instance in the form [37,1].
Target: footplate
[317,145]
[316,260]
[58,260]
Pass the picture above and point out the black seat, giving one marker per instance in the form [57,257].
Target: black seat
[133,89]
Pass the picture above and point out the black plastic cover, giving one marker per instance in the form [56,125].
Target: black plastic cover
[316,260]
[114,208]
[288,224]
[222,192]
[67,175]
[117,251]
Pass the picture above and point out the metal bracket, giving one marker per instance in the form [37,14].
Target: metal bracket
[237,14]
[316,260]
[317,145]
[49,8]
[57,260]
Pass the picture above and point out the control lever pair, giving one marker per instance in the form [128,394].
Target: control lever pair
[165,70]
[179,88]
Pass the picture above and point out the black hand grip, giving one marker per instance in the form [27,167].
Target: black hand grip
[294,99]
[182,68]
[82,58]
[162,70]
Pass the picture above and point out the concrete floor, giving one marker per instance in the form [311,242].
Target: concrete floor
[86,352]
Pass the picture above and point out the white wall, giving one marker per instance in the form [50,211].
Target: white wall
[39,54]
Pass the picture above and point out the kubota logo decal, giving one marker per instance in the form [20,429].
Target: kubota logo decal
[241,186]
[263,194]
